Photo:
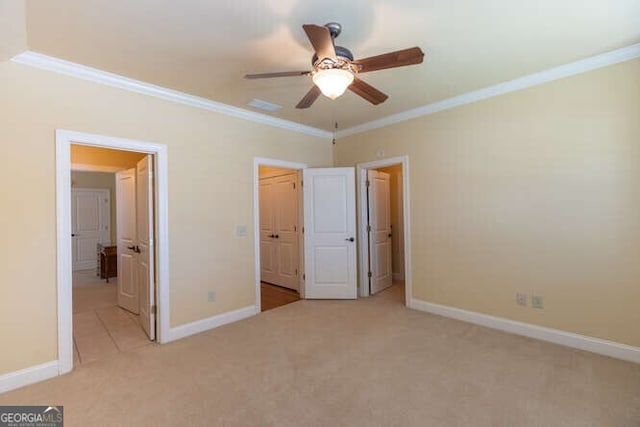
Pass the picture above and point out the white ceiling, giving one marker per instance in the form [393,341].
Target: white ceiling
[205,47]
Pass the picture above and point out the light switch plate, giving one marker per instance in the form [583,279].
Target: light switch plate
[241,231]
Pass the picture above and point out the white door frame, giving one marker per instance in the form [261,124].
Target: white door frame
[257,162]
[361,172]
[64,140]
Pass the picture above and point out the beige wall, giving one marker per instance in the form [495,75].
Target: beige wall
[535,191]
[210,191]
[97,156]
[98,180]
[13,32]
[268,171]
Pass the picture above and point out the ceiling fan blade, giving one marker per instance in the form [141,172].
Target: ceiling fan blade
[367,91]
[321,40]
[399,58]
[309,98]
[282,74]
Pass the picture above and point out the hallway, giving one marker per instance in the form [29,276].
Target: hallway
[101,329]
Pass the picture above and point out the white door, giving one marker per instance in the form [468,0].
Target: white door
[128,293]
[279,230]
[90,220]
[268,255]
[329,233]
[380,236]
[286,220]
[143,260]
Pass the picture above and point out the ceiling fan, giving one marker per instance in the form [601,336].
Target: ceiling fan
[334,69]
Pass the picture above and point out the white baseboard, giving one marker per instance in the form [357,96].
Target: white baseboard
[568,339]
[210,323]
[397,277]
[26,376]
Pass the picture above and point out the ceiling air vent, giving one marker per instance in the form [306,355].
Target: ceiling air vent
[264,105]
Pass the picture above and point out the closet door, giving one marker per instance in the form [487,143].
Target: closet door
[286,226]
[268,248]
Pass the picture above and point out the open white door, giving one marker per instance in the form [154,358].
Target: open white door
[128,294]
[329,233]
[379,230]
[144,264]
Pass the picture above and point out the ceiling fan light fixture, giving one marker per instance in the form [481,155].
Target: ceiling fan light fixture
[333,81]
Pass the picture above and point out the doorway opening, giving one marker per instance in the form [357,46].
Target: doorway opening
[279,242]
[112,226]
[128,247]
[384,228]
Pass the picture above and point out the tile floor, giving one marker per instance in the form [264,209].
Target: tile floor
[101,328]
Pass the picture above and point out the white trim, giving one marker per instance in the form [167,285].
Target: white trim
[203,325]
[81,167]
[64,139]
[83,72]
[556,73]
[568,339]
[26,376]
[257,162]
[361,175]
[64,254]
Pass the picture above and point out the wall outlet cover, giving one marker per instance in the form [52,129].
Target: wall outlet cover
[537,301]
[521,299]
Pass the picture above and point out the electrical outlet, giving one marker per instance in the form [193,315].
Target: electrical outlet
[212,296]
[537,301]
[521,299]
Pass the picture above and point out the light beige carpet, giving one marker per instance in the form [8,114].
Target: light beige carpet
[369,362]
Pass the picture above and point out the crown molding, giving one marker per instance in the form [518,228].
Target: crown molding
[83,72]
[556,73]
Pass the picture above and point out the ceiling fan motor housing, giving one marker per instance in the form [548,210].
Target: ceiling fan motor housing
[334,29]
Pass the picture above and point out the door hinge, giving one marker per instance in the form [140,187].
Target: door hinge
[296,271]
[369,275]
[295,228]
[302,230]
[369,228]
[154,309]
[294,185]
[368,183]
[304,276]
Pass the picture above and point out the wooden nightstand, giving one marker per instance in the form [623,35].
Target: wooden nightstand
[108,261]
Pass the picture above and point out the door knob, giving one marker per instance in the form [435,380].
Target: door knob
[137,249]
[350,239]
[133,248]
[272,236]
[390,234]
[73,235]
[277,237]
